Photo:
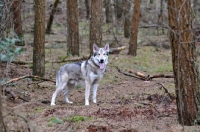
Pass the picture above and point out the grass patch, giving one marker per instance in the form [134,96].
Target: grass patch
[76,118]
[39,109]
[56,120]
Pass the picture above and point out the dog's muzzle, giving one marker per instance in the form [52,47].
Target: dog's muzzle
[101,64]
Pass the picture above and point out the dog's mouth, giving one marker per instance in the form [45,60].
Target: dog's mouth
[101,64]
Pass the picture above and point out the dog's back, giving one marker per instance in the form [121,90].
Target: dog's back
[69,73]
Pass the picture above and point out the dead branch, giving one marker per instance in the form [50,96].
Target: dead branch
[54,61]
[13,95]
[150,77]
[161,76]
[128,74]
[153,26]
[28,76]
[8,91]
[117,50]
[166,91]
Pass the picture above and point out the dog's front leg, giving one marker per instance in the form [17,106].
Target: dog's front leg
[95,86]
[87,92]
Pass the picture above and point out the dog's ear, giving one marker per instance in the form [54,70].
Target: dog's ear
[95,48]
[107,47]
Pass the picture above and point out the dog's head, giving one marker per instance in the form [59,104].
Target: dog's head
[101,55]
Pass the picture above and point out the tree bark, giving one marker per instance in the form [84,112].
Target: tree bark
[2,126]
[51,17]
[39,39]
[87,6]
[108,11]
[127,21]
[72,27]
[16,9]
[185,65]
[118,8]
[134,29]
[95,24]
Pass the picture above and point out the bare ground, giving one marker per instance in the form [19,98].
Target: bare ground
[125,104]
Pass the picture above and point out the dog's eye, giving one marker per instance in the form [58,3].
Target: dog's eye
[98,54]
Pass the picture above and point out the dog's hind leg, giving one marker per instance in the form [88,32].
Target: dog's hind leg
[69,88]
[95,86]
[58,90]
[87,92]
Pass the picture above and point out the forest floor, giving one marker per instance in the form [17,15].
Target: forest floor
[125,104]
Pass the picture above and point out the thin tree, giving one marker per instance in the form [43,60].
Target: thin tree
[127,21]
[108,11]
[134,29]
[16,9]
[51,17]
[118,8]
[87,6]
[2,126]
[39,39]
[72,27]
[95,24]
[185,65]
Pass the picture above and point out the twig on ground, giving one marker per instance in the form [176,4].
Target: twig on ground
[128,74]
[28,76]
[166,91]
[13,95]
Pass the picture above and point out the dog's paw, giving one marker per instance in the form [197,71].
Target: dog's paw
[53,104]
[86,103]
[94,101]
[69,102]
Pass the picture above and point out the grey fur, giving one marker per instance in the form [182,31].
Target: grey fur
[88,73]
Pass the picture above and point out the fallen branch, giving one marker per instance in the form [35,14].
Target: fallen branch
[54,61]
[29,76]
[13,95]
[150,77]
[117,50]
[131,75]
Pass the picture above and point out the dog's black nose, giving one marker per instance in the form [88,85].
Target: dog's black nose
[101,61]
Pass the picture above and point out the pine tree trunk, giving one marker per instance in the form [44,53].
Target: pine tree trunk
[2,127]
[134,29]
[72,27]
[118,8]
[39,39]
[87,6]
[108,11]
[16,9]
[95,24]
[127,21]
[51,17]
[185,65]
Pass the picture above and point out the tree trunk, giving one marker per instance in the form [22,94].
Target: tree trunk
[16,9]
[118,8]
[72,27]
[2,125]
[108,11]
[95,24]
[134,29]
[185,65]
[127,21]
[87,6]
[51,17]
[39,39]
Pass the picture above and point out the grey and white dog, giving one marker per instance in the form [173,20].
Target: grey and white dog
[88,72]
